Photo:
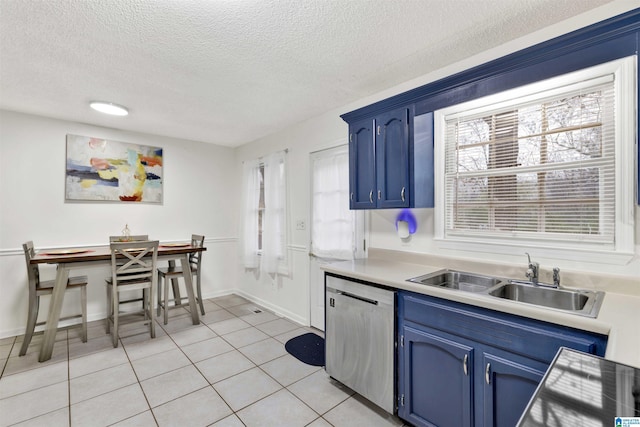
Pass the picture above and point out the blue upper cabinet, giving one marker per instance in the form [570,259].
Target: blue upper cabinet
[362,166]
[391,161]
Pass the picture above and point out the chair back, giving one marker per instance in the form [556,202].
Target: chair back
[134,262]
[33,272]
[196,257]
[134,238]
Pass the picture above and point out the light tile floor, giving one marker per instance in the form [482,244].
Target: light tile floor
[231,370]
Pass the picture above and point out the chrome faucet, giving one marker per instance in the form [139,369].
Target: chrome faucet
[532,270]
[556,277]
[532,274]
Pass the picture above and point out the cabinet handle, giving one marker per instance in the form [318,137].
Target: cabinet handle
[465,368]
[371,196]
[402,194]
[378,130]
[486,373]
[351,196]
[379,194]
[350,137]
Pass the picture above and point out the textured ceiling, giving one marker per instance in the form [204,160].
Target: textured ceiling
[231,71]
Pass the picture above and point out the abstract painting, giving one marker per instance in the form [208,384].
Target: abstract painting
[104,170]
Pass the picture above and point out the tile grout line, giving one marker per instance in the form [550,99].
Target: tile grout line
[69,376]
[124,348]
[6,360]
[170,335]
[269,336]
[200,372]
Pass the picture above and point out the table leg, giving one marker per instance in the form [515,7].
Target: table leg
[175,286]
[55,307]
[188,280]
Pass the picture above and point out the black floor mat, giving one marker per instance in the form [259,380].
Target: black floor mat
[307,348]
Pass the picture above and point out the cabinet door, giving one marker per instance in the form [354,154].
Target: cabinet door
[436,380]
[508,387]
[362,165]
[392,159]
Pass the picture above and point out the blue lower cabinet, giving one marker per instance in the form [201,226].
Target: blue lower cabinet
[461,365]
[508,386]
[428,360]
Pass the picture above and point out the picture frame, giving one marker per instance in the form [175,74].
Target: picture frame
[102,170]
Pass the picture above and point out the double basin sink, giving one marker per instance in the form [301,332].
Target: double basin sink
[575,301]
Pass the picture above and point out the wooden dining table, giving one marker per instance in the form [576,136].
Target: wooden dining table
[68,259]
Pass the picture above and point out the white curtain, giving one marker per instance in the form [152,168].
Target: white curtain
[251,186]
[274,231]
[333,223]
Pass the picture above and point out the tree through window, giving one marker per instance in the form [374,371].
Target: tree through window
[537,165]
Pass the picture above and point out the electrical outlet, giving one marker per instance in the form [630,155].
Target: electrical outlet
[300,225]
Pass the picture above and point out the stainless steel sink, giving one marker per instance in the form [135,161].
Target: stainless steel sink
[586,303]
[575,301]
[453,279]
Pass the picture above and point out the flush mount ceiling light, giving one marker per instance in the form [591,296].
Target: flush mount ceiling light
[109,108]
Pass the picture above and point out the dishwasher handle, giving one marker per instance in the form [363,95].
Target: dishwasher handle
[359,298]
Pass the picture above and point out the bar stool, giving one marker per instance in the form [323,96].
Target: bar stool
[133,267]
[132,238]
[37,288]
[175,272]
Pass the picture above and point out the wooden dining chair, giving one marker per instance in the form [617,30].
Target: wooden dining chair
[38,288]
[175,272]
[133,267]
[131,238]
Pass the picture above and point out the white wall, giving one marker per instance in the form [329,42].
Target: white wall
[200,196]
[290,296]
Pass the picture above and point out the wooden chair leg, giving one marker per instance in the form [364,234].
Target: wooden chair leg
[109,308]
[32,318]
[83,298]
[145,304]
[115,305]
[166,300]
[159,294]
[152,297]
[199,291]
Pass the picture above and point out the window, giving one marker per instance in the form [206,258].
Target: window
[548,164]
[334,227]
[260,205]
[265,219]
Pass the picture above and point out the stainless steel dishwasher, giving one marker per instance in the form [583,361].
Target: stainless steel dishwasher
[360,339]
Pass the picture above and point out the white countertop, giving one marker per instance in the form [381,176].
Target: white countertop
[619,315]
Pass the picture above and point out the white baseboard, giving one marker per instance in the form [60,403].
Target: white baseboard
[271,307]
[9,333]
[276,309]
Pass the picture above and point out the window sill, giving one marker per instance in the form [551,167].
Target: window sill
[568,254]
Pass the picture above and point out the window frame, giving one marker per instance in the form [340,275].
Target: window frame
[622,250]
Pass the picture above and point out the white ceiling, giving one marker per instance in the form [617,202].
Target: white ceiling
[231,71]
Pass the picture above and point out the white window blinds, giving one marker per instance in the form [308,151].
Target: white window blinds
[540,166]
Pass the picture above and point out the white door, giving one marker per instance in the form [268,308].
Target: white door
[335,230]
